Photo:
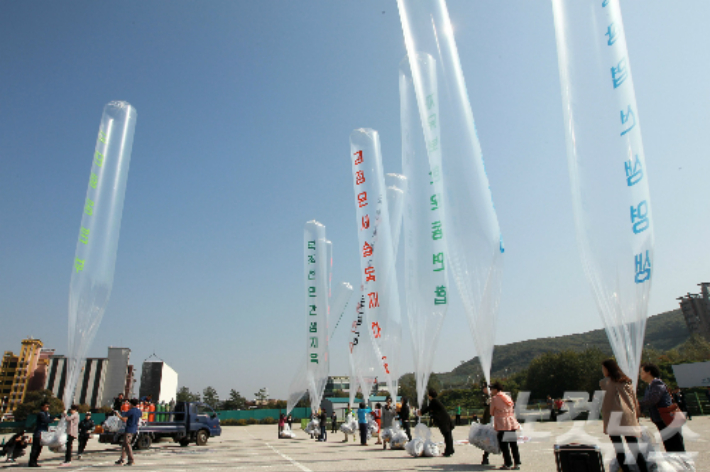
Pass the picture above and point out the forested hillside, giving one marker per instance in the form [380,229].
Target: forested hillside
[663,332]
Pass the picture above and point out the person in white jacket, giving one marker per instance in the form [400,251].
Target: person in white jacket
[72,419]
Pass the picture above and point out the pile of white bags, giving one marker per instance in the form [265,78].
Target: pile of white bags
[313,427]
[286,433]
[349,426]
[656,460]
[421,443]
[55,440]
[399,438]
[113,424]
[483,436]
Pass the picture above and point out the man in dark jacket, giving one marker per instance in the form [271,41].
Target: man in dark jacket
[42,425]
[118,402]
[486,418]
[442,419]
[323,418]
[15,446]
[86,427]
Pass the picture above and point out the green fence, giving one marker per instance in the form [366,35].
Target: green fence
[261,414]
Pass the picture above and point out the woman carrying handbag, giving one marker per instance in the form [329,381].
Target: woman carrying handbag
[664,413]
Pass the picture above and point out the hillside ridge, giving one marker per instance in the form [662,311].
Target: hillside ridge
[664,331]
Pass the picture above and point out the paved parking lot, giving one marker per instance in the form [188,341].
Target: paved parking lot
[257,448]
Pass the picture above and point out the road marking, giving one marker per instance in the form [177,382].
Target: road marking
[300,466]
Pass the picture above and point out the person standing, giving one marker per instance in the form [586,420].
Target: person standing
[72,419]
[503,412]
[289,420]
[377,414]
[362,413]
[486,418]
[282,423]
[441,418]
[42,425]
[323,419]
[679,398]
[389,412]
[551,405]
[118,402]
[131,418]
[86,427]
[458,415]
[620,414]
[404,416]
[334,422]
[656,396]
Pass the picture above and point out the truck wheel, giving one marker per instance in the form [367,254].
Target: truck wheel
[202,437]
[184,442]
[144,441]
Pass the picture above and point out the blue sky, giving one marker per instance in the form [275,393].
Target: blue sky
[244,112]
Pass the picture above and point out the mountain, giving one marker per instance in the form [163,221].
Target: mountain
[663,332]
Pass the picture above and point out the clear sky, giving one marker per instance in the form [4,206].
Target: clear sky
[244,112]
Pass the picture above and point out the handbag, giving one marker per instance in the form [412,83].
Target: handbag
[672,415]
[672,412]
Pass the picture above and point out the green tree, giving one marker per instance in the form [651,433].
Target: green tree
[235,401]
[262,395]
[184,395]
[567,371]
[33,401]
[210,396]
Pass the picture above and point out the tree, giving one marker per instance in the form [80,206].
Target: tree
[184,395]
[33,401]
[210,396]
[235,401]
[262,395]
[567,371]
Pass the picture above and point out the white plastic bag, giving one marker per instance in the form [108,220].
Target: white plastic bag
[55,440]
[483,436]
[313,427]
[372,427]
[113,424]
[399,438]
[349,426]
[431,449]
[415,447]
[286,433]
[422,436]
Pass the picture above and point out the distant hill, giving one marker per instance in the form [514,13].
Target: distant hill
[663,332]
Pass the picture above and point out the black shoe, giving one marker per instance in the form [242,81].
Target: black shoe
[129,463]
[119,462]
[34,465]
[485,462]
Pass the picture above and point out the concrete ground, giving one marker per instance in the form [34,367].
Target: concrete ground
[257,448]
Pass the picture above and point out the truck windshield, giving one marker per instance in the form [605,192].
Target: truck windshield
[204,410]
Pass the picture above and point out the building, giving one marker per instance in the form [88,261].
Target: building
[17,372]
[336,383]
[120,377]
[90,387]
[100,380]
[158,380]
[696,310]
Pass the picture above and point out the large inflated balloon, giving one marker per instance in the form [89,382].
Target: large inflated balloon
[426,286]
[316,272]
[473,239]
[97,245]
[376,253]
[607,169]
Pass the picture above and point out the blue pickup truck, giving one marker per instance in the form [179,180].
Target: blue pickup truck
[190,422]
